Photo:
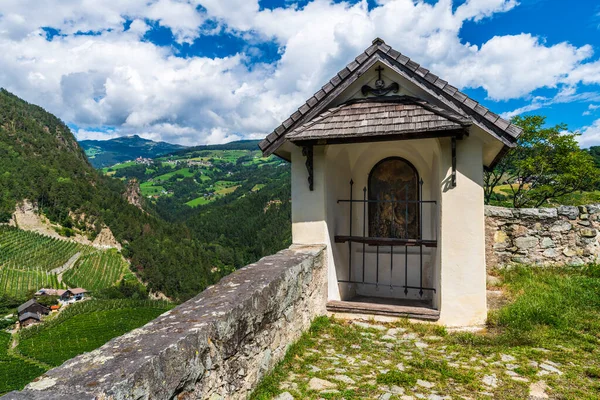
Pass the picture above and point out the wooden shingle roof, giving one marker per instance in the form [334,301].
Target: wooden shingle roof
[378,117]
[459,102]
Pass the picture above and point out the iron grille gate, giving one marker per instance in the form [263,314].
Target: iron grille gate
[392,241]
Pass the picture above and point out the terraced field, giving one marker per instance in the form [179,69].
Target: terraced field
[86,326]
[25,250]
[27,259]
[17,283]
[15,372]
[97,270]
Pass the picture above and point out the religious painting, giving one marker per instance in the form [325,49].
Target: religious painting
[393,200]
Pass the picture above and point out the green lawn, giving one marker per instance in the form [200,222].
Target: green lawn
[182,171]
[546,339]
[118,166]
[200,201]
[149,189]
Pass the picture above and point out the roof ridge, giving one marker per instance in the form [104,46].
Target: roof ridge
[497,126]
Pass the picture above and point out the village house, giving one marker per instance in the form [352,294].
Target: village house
[30,312]
[49,292]
[71,295]
[65,295]
[387,171]
[29,318]
[33,306]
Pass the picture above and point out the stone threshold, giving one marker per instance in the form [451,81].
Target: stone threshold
[414,309]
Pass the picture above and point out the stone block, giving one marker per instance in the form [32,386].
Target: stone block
[498,212]
[576,262]
[584,217]
[526,242]
[550,253]
[570,212]
[593,208]
[518,230]
[500,237]
[537,213]
[547,243]
[587,233]
[568,252]
[521,260]
[561,226]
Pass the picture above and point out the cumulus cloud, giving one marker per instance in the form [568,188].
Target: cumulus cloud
[118,79]
[590,135]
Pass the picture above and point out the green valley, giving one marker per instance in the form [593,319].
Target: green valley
[183,220]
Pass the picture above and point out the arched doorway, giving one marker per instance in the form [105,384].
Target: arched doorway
[393,199]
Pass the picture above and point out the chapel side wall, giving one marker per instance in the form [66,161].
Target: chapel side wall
[462,279]
[566,235]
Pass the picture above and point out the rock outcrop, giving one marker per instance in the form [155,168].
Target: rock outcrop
[133,194]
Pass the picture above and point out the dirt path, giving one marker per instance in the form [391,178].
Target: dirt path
[66,266]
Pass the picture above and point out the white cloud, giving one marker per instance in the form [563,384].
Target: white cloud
[591,108]
[116,79]
[590,135]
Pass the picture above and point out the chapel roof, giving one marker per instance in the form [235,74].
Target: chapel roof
[449,95]
[373,118]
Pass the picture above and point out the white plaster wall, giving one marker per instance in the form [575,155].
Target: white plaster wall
[462,273]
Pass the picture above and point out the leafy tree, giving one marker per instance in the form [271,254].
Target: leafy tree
[546,164]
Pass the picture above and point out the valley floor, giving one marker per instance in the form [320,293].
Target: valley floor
[528,351]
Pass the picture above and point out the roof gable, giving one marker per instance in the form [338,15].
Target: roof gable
[449,95]
[378,119]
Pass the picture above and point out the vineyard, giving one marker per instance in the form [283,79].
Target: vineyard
[15,372]
[27,260]
[86,326]
[17,283]
[29,250]
[97,270]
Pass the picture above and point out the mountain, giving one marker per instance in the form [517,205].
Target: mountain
[103,153]
[177,246]
[40,161]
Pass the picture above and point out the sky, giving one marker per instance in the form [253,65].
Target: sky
[212,71]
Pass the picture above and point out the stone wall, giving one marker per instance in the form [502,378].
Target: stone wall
[215,346]
[565,235]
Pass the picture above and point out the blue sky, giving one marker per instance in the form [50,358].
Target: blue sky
[209,71]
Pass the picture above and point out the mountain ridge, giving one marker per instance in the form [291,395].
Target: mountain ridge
[104,153]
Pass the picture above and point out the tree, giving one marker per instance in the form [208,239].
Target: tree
[547,163]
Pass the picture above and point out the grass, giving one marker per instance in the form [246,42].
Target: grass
[185,172]
[200,201]
[552,318]
[550,306]
[149,189]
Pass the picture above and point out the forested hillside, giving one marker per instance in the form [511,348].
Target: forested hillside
[41,161]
